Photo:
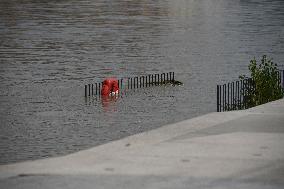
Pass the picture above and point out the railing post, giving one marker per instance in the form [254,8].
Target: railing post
[99,88]
[237,94]
[89,85]
[131,82]
[283,79]
[246,93]
[224,97]
[234,101]
[137,82]
[242,94]
[228,88]
[231,93]
[218,98]
[146,81]
[128,83]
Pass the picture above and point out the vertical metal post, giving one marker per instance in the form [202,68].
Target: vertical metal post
[238,94]
[99,88]
[121,80]
[89,89]
[234,100]
[152,79]
[249,84]
[146,81]
[217,98]
[131,82]
[229,97]
[283,79]
[242,94]
[224,97]
[173,76]
[157,80]
[128,83]
[228,85]
[86,91]
[92,89]
[231,88]
[249,88]
[278,78]
[143,77]
[96,89]
[220,98]
[137,82]
[167,76]
[245,92]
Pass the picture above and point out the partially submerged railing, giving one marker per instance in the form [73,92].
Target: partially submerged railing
[235,95]
[133,83]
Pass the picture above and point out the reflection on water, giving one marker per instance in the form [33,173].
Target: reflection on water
[108,102]
[50,49]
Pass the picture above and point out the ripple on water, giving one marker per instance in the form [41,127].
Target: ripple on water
[50,49]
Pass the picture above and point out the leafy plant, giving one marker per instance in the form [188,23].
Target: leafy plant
[266,83]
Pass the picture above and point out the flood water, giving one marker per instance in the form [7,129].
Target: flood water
[49,49]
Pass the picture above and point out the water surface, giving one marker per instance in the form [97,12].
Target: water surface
[50,49]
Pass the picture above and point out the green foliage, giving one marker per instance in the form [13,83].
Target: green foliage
[266,82]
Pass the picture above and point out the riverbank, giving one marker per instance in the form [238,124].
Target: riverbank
[238,149]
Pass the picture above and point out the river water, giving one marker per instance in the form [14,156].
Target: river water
[49,49]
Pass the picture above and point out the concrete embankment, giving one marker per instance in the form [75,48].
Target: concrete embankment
[238,149]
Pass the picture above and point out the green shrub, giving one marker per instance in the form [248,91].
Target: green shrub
[266,82]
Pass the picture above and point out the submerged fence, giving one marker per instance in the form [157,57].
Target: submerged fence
[133,83]
[236,95]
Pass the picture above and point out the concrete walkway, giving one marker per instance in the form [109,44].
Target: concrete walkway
[240,149]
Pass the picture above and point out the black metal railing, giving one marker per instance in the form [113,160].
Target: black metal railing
[236,95]
[133,83]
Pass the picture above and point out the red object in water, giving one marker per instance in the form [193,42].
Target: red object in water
[110,87]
